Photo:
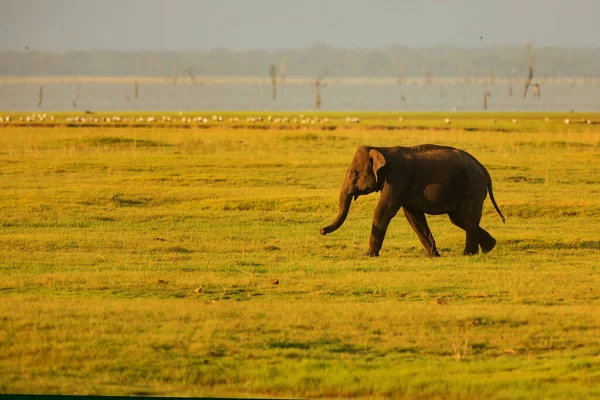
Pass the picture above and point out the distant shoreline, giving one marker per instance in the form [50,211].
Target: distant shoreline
[297,80]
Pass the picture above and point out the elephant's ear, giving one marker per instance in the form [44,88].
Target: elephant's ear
[378,162]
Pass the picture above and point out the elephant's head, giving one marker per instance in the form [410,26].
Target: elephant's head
[364,176]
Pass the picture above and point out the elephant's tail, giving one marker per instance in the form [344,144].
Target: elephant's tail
[490,191]
[494,200]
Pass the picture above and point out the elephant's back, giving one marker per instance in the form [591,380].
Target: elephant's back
[449,164]
[437,153]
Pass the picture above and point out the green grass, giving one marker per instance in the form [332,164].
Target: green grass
[106,233]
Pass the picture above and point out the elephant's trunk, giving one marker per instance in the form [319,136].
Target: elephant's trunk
[344,206]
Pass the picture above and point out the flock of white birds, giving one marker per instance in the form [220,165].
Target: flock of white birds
[300,119]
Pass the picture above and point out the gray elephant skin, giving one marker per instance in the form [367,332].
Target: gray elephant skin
[424,179]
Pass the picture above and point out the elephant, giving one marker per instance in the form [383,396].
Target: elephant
[424,179]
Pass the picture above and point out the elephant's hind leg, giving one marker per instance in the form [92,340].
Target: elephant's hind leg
[486,241]
[472,241]
[417,220]
[476,236]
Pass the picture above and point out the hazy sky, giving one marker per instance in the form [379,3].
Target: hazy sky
[62,25]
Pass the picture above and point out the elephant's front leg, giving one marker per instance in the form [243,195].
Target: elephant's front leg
[418,222]
[385,211]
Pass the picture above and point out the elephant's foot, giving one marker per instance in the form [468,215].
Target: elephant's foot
[472,244]
[471,248]
[433,253]
[488,244]
[372,253]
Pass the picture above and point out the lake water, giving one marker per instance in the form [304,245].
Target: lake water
[257,96]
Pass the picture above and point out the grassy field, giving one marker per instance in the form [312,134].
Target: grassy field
[142,260]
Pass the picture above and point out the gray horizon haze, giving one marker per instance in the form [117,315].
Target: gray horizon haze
[129,25]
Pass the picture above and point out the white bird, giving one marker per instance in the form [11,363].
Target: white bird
[567,121]
[447,120]
[514,120]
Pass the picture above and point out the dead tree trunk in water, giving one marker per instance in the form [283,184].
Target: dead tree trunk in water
[77,92]
[135,89]
[41,95]
[318,85]
[485,97]
[531,60]
[273,73]
[318,99]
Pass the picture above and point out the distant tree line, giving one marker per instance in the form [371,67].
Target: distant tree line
[395,61]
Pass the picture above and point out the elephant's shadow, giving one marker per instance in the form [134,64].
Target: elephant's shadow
[411,251]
